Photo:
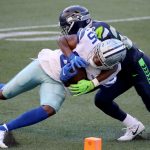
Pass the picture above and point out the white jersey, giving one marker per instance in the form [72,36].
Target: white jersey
[50,62]
[87,40]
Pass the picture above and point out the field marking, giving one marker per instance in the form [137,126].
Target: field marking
[15,34]
[28,27]
[10,34]
[129,19]
[52,38]
[56,25]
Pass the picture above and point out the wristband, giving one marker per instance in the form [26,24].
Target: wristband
[95,82]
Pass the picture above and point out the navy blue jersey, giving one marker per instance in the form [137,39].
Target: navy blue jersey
[105,31]
[135,72]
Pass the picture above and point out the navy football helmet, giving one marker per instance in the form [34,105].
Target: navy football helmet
[73,18]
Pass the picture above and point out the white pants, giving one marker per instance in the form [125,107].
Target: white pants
[52,92]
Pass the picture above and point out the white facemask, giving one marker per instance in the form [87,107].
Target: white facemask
[98,67]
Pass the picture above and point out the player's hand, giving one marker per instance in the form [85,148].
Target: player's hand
[82,87]
[67,73]
[77,61]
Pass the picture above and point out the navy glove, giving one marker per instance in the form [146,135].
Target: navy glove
[77,61]
[67,73]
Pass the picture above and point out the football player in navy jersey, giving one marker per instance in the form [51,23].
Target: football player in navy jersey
[135,68]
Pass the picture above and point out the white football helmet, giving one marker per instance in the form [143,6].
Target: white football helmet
[110,52]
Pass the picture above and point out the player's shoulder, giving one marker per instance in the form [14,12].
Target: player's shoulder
[104,31]
[97,24]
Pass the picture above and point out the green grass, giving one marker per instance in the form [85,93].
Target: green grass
[78,117]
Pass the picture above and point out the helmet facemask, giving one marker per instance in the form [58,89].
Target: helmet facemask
[109,53]
[96,52]
[74,23]
[74,18]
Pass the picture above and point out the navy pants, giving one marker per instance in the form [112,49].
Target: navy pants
[135,73]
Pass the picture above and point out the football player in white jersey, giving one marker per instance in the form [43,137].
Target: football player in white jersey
[44,71]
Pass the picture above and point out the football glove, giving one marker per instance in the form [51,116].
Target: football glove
[77,61]
[82,87]
[67,73]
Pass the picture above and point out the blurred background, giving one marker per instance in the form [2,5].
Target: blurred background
[26,27]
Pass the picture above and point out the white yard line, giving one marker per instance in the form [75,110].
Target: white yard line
[56,25]
[28,27]
[11,34]
[129,19]
[28,33]
[52,38]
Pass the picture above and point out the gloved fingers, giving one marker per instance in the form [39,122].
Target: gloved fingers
[84,62]
[73,65]
[74,86]
[77,64]
[78,94]
[74,90]
[80,62]
[68,66]
[78,89]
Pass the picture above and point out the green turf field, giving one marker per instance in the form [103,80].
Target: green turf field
[27,26]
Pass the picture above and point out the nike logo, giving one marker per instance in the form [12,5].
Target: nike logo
[135,130]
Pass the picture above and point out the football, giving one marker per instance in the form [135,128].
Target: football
[79,76]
